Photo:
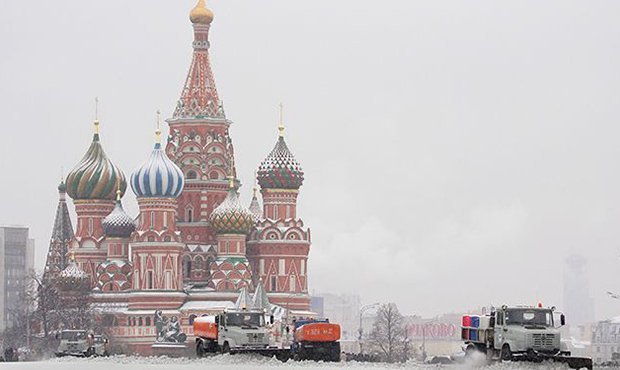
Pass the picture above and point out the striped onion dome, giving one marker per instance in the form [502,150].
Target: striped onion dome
[280,170]
[231,217]
[95,177]
[118,224]
[158,177]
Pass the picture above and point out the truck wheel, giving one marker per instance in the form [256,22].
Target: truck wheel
[226,348]
[200,351]
[335,353]
[506,354]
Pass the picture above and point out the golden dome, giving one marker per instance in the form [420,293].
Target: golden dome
[201,14]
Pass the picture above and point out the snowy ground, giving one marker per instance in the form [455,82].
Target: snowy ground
[227,362]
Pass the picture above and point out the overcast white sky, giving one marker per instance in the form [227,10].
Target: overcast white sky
[455,151]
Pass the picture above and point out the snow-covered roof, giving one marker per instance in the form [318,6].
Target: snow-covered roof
[206,305]
[110,307]
[303,313]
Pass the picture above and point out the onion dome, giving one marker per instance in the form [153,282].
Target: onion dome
[118,224]
[62,187]
[73,277]
[255,207]
[280,170]
[231,217]
[158,177]
[95,177]
[201,14]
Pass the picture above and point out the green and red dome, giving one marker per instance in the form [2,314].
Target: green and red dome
[231,217]
[280,170]
[95,177]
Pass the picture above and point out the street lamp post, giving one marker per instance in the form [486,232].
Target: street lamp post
[361,329]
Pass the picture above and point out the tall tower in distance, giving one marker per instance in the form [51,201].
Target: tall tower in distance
[578,303]
[200,145]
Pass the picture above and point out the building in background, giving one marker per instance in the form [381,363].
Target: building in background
[343,309]
[440,335]
[16,262]
[317,305]
[606,341]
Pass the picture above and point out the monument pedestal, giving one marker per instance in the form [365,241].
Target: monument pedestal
[170,349]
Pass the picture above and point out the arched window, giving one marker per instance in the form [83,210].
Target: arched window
[191,319]
[140,321]
[214,175]
[187,266]
[191,175]
[147,321]
[189,214]
[109,320]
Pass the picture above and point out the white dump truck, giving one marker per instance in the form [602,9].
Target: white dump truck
[82,344]
[233,331]
[519,333]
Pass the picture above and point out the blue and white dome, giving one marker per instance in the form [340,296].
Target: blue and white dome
[158,177]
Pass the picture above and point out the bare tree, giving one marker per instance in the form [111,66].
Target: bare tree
[389,334]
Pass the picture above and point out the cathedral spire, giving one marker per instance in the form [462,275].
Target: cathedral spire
[62,234]
[199,98]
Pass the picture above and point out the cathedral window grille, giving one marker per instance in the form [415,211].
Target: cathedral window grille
[149,280]
[187,266]
[152,220]
[189,214]
[273,284]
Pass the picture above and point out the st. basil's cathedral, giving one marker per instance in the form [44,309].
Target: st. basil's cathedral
[194,246]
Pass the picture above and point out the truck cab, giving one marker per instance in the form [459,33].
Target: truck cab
[242,328]
[237,330]
[526,330]
[78,343]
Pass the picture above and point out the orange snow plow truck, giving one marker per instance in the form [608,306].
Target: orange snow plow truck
[233,331]
[316,340]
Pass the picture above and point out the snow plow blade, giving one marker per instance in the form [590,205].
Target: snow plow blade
[575,362]
[279,353]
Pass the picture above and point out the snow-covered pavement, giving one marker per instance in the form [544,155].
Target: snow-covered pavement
[236,362]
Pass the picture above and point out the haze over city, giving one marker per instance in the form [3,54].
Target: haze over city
[455,152]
